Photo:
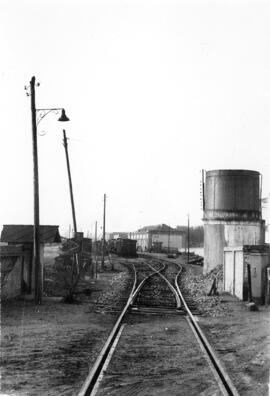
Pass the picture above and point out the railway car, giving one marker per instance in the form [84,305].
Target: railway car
[126,247]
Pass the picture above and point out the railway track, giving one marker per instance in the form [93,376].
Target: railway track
[155,293]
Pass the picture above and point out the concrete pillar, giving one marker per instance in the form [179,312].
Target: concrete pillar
[220,234]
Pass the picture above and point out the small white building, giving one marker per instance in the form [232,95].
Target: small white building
[266,216]
[235,276]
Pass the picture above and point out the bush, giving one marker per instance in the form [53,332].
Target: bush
[70,268]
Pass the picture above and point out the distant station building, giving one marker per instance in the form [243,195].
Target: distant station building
[159,238]
[16,254]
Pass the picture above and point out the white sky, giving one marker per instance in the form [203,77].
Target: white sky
[155,90]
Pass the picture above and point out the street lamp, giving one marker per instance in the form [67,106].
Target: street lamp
[37,116]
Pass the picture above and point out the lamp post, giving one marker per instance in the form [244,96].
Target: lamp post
[36,237]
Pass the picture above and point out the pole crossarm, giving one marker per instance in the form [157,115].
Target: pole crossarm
[41,113]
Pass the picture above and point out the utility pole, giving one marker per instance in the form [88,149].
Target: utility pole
[188,241]
[70,184]
[169,240]
[96,249]
[36,239]
[103,239]
[203,200]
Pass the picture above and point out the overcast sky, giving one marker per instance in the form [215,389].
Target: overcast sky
[155,91]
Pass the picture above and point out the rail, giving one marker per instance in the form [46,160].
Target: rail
[97,367]
[225,383]
[224,380]
[95,371]
[177,298]
[136,292]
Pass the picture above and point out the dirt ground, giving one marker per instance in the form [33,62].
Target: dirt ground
[152,359]
[241,338]
[48,349]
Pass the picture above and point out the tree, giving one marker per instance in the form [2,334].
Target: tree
[196,235]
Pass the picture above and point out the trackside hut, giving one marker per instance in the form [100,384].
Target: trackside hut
[161,237]
[17,272]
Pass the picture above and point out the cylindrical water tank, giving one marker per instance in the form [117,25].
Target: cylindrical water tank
[232,195]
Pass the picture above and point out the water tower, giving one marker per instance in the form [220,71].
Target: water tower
[232,213]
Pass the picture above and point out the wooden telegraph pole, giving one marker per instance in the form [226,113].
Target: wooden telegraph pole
[169,240]
[103,239]
[188,241]
[70,184]
[96,250]
[95,235]
[36,236]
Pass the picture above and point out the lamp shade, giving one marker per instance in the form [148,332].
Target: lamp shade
[63,117]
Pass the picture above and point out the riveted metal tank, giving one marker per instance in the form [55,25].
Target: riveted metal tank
[232,212]
[232,195]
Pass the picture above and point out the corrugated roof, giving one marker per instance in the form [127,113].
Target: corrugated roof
[18,233]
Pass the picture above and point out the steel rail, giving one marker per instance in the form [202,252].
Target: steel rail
[97,367]
[136,292]
[228,389]
[225,384]
[95,371]
[224,381]
[176,295]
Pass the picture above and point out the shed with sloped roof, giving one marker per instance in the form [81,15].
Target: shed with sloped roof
[20,275]
[20,233]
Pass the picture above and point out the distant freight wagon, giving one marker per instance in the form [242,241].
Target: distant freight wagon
[123,247]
